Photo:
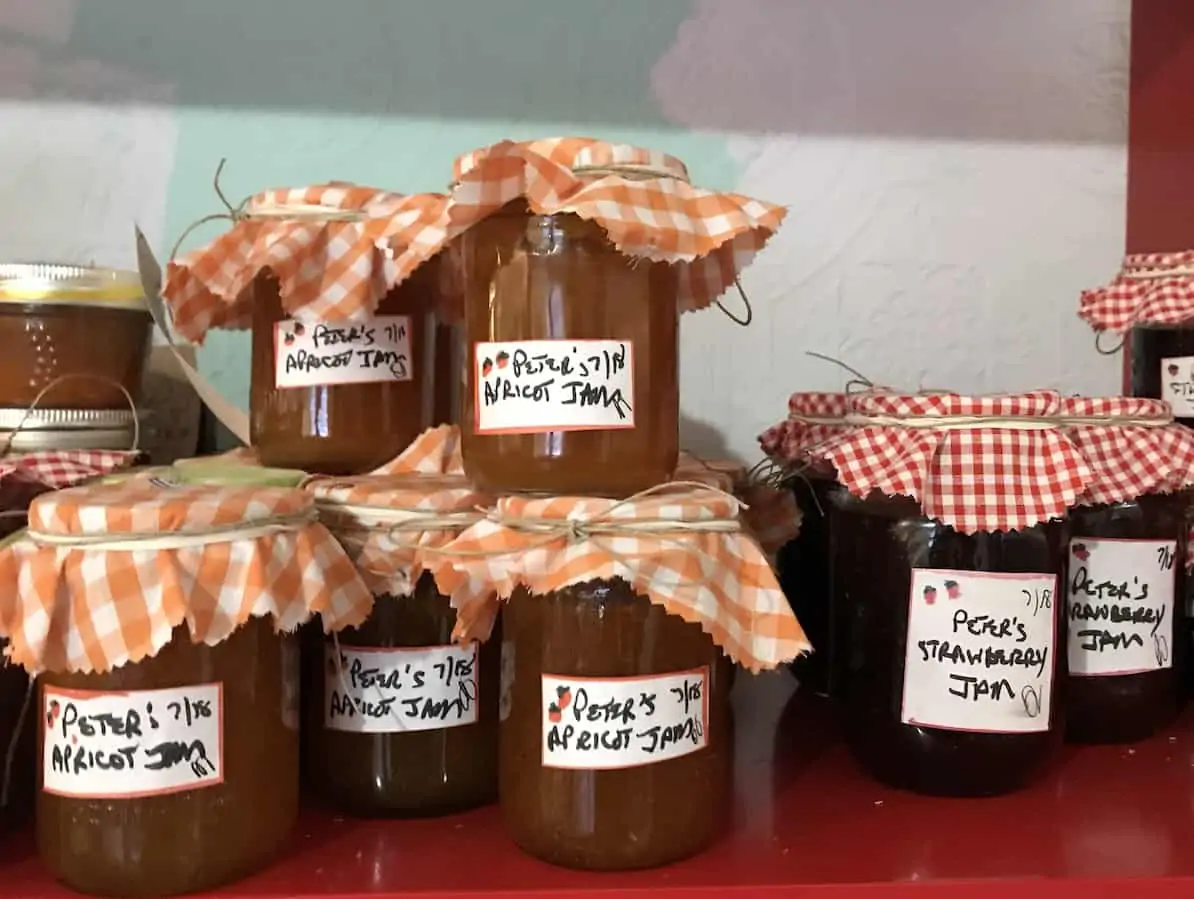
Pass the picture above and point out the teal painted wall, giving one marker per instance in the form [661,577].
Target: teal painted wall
[383,93]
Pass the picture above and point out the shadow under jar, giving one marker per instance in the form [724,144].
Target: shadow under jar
[407,723]
[376,389]
[573,364]
[222,717]
[1124,584]
[616,738]
[953,654]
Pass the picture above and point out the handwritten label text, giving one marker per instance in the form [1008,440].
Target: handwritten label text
[593,723]
[979,654]
[314,354]
[531,386]
[1177,385]
[382,691]
[1120,605]
[101,745]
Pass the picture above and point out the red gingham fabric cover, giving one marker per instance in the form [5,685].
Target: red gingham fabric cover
[993,478]
[59,469]
[1150,289]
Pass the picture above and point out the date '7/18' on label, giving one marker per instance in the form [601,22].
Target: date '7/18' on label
[318,354]
[623,722]
[107,745]
[533,386]
[980,651]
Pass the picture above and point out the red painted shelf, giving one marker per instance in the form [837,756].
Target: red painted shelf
[1109,822]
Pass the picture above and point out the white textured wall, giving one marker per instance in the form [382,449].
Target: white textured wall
[956,170]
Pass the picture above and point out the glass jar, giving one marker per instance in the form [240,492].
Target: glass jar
[616,740]
[220,717]
[951,673]
[573,360]
[1124,591]
[83,330]
[803,567]
[373,392]
[405,722]
[1162,367]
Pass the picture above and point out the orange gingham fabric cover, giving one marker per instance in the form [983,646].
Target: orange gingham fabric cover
[80,609]
[709,236]
[326,270]
[1150,289]
[721,581]
[427,478]
[996,478]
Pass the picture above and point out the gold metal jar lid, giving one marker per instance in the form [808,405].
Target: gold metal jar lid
[71,285]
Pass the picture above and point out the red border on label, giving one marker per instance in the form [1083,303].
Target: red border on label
[559,429]
[88,694]
[985,575]
[703,670]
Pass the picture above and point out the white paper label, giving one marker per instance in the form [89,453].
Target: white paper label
[979,655]
[1177,385]
[622,722]
[385,691]
[101,745]
[1120,605]
[531,386]
[506,697]
[316,354]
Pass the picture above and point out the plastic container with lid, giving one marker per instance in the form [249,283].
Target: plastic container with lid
[616,731]
[73,337]
[573,285]
[1125,577]
[168,713]
[400,719]
[350,356]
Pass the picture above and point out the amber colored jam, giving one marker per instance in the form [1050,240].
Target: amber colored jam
[344,429]
[44,342]
[192,840]
[556,277]
[615,817]
[876,544]
[1120,708]
[416,771]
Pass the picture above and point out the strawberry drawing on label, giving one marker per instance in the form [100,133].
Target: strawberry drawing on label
[299,329]
[486,367]
[952,590]
[53,713]
[555,710]
[1173,370]
[503,359]
[930,594]
[288,339]
[1080,551]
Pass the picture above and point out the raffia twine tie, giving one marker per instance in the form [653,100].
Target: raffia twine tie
[181,539]
[978,422]
[1155,274]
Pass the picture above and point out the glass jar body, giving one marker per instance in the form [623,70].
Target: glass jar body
[599,410]
[340,428]
[1125,587]
[406,750]
[1162,367]
[43,342]
[882,549]
[167,843]
[601,637]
